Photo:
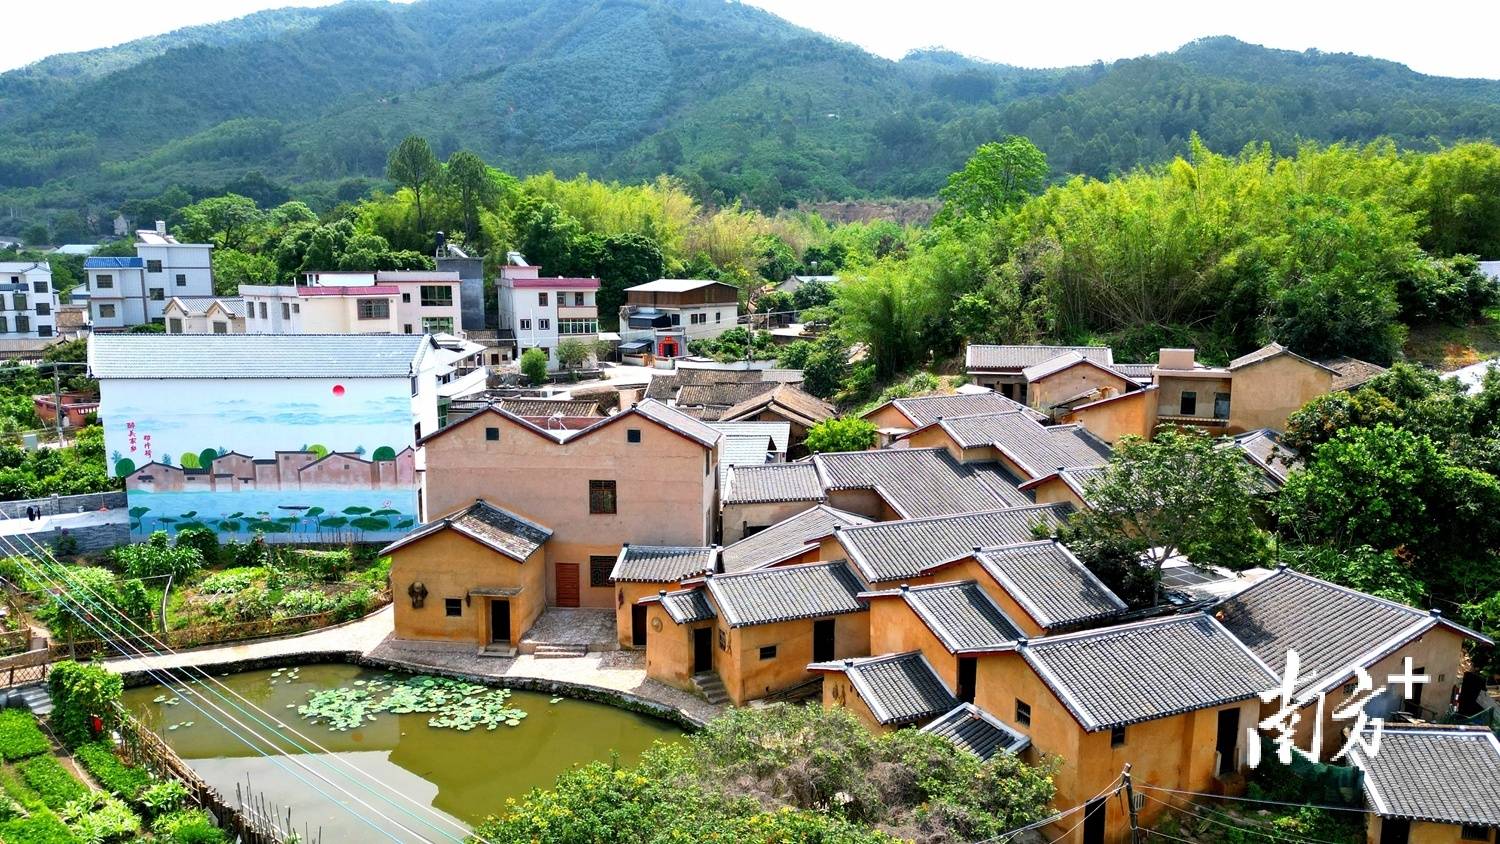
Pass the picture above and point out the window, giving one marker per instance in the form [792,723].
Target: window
[697,319]
[718,316]
[578,326]
[525,325]
[541,299]
[182,279]
[44,331]
[1023,713]
[601,497]
[296,308]
[104,281]
[492,434]
[768,652]
[632,435]
[262,310]
[107,311]
[39,287]
[153,266]
[221,328]
[437,325]
[373,308]
[158,294]
[1221,405]
[4,324]
[436,295]
[43,308]
[599,568]
[544,324]
[1117,737]
[1189,405]
[23,323]
[578,299]
[676,319]
[723,640]
[406,298]
[18,302]
[406,329]
[453,606]
[1474,833]
[286,310]
[174,326]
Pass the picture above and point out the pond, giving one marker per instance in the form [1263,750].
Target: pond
[465,774]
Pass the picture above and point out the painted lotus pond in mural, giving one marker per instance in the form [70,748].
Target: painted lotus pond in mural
[311,516]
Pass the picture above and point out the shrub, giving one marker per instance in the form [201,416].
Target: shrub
[99,818]
[353,604]
[228,581]
[190,826]
[114,775]
[65,545]
[303,602]
[204,540]
[40,828]
[534,365]
[19,735]
[324,565]
[51,781]
[164,797]
[256,552]
[155,557]
[78,693]
[849,433]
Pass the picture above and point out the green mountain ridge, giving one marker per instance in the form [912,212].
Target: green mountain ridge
[733,100]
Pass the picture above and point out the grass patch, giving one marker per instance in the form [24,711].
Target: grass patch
[113,775]
[1452,346]
[51,781]
[20,737]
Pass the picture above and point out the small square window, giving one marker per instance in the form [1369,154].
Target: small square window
[1117,737]
[153,266]
[182,279]
[723,640]
[1475,833]
[525,325]
[1189,404]
[600,568]
[632,435]
[406,298]
[578,300]
[492,434]
[768,652]
[544,324]
[1023,713]
[453,606]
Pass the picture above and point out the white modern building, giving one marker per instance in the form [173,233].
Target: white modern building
[205,315]
[661,317]
[28,304]
[125,292]
[427,301]
[320,309]
[541,313]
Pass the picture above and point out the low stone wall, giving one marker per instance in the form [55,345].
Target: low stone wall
[91,539]
[52,505]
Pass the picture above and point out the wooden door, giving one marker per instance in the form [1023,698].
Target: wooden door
[567,584]
[499,620]
[638,625]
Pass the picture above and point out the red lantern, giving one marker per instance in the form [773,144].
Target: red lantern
[96,724]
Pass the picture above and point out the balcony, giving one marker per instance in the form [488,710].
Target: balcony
[1200,421]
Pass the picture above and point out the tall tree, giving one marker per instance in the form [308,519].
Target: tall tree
[1000,176]
[469,179]
[413,166]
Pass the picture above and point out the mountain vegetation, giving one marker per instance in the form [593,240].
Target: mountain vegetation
[732,101]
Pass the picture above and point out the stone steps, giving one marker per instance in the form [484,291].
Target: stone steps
[558,651]
[36,698]
[711,687]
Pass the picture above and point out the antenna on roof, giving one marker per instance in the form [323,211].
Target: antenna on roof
[557,416]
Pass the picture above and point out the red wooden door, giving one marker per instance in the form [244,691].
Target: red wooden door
[567,584]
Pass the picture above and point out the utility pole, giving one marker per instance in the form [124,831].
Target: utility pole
[57,409]
[1135,826]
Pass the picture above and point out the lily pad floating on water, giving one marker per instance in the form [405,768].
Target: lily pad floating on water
[453,704]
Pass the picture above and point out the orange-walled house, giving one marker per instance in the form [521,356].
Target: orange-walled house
[644,570]
[793,540]
[1020,444]
[898,416]
[1132,414]
[1002,368]
[1431,784]
[952,624]
[1070,378]
[885,692]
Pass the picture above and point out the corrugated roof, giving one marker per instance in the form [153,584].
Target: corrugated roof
[773,482]
[982,734]
[918,482]
[765,596]
[159,356]
[97,262]
[1017,358]
[491,526]
[662,563]
[888,551]
[779,432]
[1433,773]
[786,538]
[924,410]
[962,616]
[1051,584]
[1147,670]
[899,689]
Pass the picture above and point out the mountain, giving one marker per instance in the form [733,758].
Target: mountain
[734,100]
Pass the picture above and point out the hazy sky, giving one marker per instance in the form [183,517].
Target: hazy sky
[1444,37]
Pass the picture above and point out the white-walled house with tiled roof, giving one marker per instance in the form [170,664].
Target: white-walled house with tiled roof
[130,291]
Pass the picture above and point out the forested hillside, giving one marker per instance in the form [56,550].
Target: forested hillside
[733,101]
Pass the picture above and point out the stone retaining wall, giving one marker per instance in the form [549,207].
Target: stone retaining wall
[54,504]
[91,539]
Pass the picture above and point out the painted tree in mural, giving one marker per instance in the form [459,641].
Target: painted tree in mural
[385,452]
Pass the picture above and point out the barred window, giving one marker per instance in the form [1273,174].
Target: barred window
[601,497]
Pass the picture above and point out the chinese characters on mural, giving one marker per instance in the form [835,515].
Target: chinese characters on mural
[1357,698]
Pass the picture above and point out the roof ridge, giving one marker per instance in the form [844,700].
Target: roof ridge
[1122,629]
[895,522]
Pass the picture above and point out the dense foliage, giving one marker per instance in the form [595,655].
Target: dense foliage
[845,433]
[785,774]
[81,692]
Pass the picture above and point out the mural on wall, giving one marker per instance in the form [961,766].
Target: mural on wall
[296,460]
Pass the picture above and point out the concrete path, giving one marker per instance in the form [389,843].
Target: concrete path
[66,521]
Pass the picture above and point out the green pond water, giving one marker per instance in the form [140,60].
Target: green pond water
[466,775]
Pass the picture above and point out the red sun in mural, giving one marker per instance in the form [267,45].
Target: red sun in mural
[338,389]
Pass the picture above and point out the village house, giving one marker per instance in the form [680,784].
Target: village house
[320,309]
[886,692]
[1431,784]
[1003,368]
[643,570]
[1027,449]
[659,318]
[205,315]
[1334,631]
[749,635]
[900,416]
[538,312]
[793,540]
[78,409]
[970,728]
[1069,485]
[645,476]
[753,395]
[951,623]
[28,304]
[130,291]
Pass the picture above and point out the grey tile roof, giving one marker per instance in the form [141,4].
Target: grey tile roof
[960,614]
[888,551]
[1017,358]
[676,420]
[1037,448]
[663,386]
[491,526]
[785,400]
[924,410]
[785,538]
[982,734]
[743,450]
[1332,628]
[918,482]
[1147,670]
[662,563]
[1066,360]
[723,394]
[685,606]
[1138,372]
[549,407]
[773,482]
[779,432]
[765,596]
[900,689]
[1264,450]
[1051,584]
[1352,372]
[1271,350]
[254,355]
[1430,773]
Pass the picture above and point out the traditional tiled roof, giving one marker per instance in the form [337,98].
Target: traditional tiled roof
[1051,584]
[1271,350]
[1017,358]
[676,420]
[773,482]
[1078,479]
[722,394]
[899,689]
[1147,670]
[982,734]
[786,538]
[785,400]
[888,551]
[1332,628]
[963,617]
[779,432]
[1036,448]
[743,450]
[766,596]
[924,410]
[662,563]
[1352,372]
[663,386]
[1431,773]
[684,606]
[1066,360]
[1138,372]
[491,526]
[918,482]
[550,407]
[1265,451]
[254,355]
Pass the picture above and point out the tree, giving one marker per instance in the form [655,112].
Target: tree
[998,177]
[775,260]
[534,365]
[547,235]
[225,221]
[812,294]
[826,367]
[469,179]
[1180,493]
[846,433]
[413,166]
[621,261]
[232,268]
[34,234]
[571,354]
[886,307]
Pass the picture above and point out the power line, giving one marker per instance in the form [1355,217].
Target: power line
[1113,788]
[1239,823]
[1358,809]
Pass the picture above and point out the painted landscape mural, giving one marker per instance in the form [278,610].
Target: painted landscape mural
[296,460]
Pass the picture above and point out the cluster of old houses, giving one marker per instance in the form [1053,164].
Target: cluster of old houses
[917,585]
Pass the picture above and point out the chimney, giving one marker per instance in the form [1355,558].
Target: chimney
[1175,359]
[161,227]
